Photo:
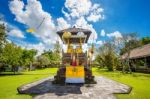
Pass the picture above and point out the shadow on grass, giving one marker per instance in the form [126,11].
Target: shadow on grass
[15,74]
[10,74]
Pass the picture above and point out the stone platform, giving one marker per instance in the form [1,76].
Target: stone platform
[104,89]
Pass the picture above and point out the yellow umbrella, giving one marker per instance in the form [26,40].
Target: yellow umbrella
[30,30]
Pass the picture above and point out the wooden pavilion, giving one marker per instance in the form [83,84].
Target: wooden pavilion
[139,58]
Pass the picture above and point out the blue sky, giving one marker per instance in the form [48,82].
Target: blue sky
[126,16]
[116,17]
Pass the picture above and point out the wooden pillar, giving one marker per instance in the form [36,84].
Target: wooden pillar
[77,59]
[134,64]
[62,62]
[145,62]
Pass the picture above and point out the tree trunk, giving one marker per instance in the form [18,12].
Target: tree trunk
[30,66]
[128,62]
[123,66]
[13,69]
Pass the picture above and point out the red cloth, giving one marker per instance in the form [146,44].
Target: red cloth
[74,63]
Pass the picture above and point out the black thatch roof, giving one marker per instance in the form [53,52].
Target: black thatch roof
[74,31]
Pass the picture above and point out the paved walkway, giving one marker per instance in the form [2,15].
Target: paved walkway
[104,89]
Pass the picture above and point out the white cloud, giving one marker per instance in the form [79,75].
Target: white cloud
[16,33]
[77,12]
[16,8]
[62,24]
[64,48]
[9,41]
[32,15]
[96,13]
[81,22]
[103,32]
[85,47]
[39,47]
[81,12]
[99,42]
[93,17]
[115,34]
[12,30]
[66,14]
[2,22]
[78,8]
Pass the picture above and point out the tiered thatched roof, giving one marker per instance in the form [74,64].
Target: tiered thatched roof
[74,32]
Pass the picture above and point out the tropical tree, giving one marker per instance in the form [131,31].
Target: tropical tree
[54,55]
[129,45]
[130,41]
[57,47]
[2,40]
[145,40]
[43,61]
[2,35]
[107,57]
[14,56]
[28,57]
[11,55]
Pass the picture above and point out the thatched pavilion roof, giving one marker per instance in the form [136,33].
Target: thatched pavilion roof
[74,32]
[140,52]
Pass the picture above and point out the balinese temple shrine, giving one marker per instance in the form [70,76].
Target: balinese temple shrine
[75,61]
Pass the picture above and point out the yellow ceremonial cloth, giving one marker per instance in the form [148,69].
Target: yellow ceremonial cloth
[75,72]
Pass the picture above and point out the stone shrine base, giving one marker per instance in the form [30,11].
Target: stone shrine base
[104,89]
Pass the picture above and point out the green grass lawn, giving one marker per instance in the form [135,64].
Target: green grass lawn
[9,83]
[139,81]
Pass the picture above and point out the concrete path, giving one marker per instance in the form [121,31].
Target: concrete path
[104,89]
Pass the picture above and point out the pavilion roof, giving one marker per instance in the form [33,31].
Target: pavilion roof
[140,52]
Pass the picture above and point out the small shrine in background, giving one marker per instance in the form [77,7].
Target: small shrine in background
[75,60]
